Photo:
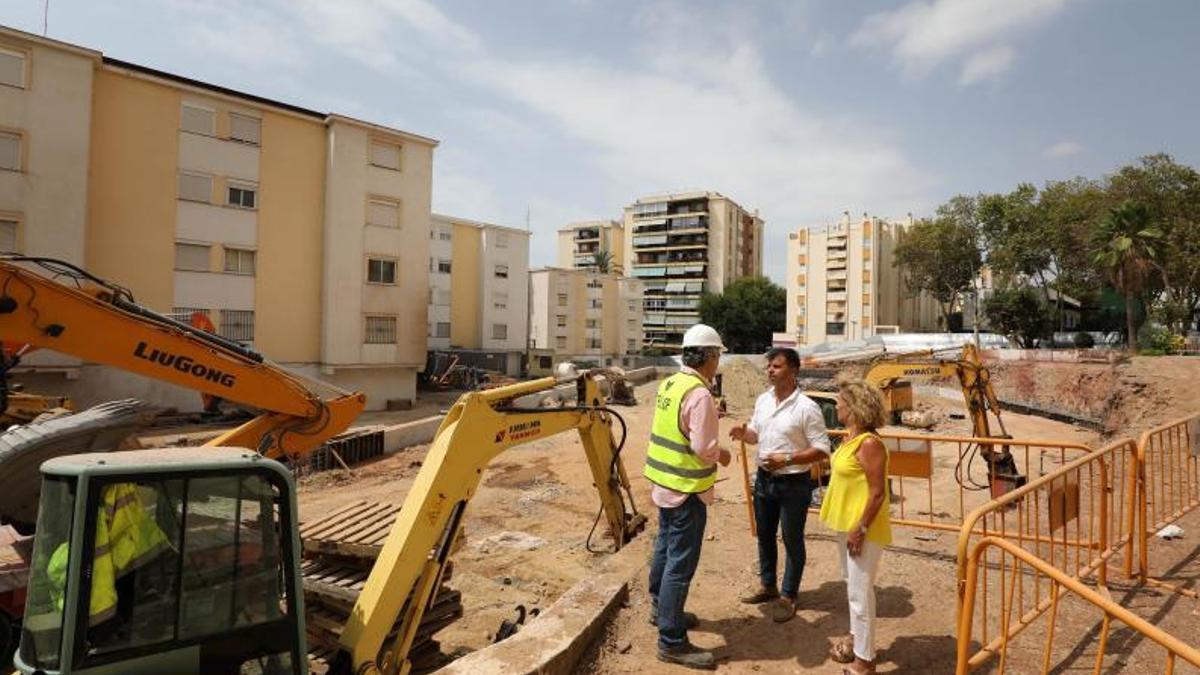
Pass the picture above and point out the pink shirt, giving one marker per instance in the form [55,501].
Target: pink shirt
[698,420]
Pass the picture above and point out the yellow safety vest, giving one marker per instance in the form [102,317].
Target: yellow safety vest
[125,539]
[670,461]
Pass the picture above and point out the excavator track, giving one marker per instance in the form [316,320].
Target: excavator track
[23,448]
[339,550]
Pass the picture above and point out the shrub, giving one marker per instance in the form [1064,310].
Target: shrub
[1084,340]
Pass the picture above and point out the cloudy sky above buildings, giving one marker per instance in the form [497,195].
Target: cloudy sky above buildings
[802,109]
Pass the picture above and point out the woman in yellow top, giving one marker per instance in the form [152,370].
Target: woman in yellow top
[856,507]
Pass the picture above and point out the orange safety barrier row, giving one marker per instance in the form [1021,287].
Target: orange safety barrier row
[1075,519]
[913,465]
[1169,461]
[1019,565]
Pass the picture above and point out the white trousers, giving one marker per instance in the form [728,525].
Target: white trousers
[859,574]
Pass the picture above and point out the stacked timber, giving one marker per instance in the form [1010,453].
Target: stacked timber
[339,551]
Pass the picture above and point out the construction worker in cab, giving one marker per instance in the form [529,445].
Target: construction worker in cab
[682,461]
[126,538]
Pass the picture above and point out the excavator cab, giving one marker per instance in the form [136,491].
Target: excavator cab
[157,561]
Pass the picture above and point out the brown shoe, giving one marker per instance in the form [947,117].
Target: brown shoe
[763,594]
[783,610]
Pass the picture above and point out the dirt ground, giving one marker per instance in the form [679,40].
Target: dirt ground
[525,545]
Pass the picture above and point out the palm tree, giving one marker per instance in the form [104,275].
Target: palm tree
[602,260]
[1127,245]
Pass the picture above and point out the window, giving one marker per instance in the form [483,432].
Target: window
[237,324]
[560,342]
[444,235]
[244,128]
[595,303]
[440,296]
[560,320]
[835,328]
[631,346]
[500,300]
[191,257]
[380,330]
[593,343]
[198,120]
[195,187]
[386,155]
[499,331]
[10,151]
[443,266]
[443,329]
[562,299]
[501,271]
[381,271]
[239,261]
[545,362]
[12,68]
[8,235]
[383,213]
[633,305]
[501,240]
[242,195]
[591,323]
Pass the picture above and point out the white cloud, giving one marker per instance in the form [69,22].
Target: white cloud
[1063,149]
[923,34]
[988,63]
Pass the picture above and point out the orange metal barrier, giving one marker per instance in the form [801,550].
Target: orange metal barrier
[1169,461]
[1075,519]
[1022,566]
[913,466]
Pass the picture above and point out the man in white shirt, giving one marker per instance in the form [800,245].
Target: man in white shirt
[790,432]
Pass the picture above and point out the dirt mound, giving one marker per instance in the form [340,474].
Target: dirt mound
[741,383]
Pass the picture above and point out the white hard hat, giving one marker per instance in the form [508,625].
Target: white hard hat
[702,335]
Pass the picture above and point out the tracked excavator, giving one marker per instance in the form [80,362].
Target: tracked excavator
[221,590]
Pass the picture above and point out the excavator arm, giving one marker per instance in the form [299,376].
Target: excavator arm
[480,426]
[80,315]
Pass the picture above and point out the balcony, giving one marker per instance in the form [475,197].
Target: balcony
[836,296]
[675,225]
[587,235]
[690,206]
[836,275]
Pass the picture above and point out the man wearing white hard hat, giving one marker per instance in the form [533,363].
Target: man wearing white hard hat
[682,461]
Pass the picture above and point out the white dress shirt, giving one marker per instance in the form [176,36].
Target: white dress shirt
[788,426]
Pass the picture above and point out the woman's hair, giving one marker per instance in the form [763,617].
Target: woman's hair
[864,401]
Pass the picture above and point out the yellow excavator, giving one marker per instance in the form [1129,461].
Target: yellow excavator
[892,377]
[220,592]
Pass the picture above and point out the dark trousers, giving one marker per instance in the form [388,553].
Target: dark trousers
[782,500]
[676,555]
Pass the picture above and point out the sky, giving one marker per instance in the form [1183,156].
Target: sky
[563,110]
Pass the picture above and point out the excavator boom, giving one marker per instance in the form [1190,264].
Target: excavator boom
[99,322]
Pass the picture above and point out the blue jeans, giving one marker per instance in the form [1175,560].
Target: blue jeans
[676,555]
[786,499]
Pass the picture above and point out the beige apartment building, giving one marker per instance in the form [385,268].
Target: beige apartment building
[300,233]
[681,245]
[479,292]
[583,315]
[578,244]
[843,285]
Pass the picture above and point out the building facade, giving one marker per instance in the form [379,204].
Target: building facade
[843,284]
[479,291]
[585,316]
[300,233]
[681,245]
[579,243]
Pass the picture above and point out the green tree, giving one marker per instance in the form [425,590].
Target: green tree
[942,256]
[604,262]
[1170,193]
[1020,313]
[1069,212]
[1126,247]
[746,314]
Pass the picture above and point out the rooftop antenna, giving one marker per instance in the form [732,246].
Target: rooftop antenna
[527,227]
[45,17]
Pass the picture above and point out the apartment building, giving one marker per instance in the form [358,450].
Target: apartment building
[479,292]
[681,245]
[584,315]
[843,284]
[579,243]
[303,234]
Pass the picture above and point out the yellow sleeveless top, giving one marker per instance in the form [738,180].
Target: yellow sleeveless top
[848,492]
